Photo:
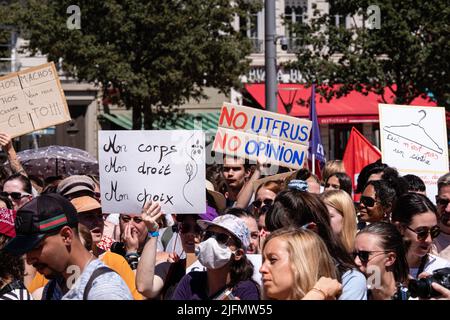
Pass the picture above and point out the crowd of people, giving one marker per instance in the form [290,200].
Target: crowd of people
[287,236]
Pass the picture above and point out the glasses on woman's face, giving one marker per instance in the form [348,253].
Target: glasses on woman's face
[364,255]
[367,201]
[185,227]
[14,195]
[422,232]
[258,203]
[221,238]
[127,219]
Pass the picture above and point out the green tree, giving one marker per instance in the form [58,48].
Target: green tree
[154,53]
[409,52]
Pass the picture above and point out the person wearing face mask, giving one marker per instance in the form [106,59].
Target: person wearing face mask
[228,272]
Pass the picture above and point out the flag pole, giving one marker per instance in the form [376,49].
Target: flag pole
[314,163]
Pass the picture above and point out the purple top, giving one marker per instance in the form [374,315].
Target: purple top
[193,287]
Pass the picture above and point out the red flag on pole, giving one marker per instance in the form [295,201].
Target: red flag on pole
[359,152]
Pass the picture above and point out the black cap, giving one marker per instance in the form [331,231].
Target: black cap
[44,215]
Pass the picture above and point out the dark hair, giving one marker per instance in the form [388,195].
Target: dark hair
[384,193]
[294,208]
[344,181]
[10,265]
[239,212]
[25,181]
[415,184]
[246,164]
[304,174]
[391,240]
[366,172]
[7,201]
[409,205]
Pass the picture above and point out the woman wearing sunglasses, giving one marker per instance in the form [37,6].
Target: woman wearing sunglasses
[376,202]
[380,255]
[158,273]
[296,265]
[416,218]
[228,271]
[301,209]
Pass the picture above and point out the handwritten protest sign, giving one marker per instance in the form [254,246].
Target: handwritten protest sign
[249,133]
[32,99]
[165,166]
[414,140]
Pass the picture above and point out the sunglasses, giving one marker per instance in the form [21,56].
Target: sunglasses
[259,203]
[422,232]
[221,238]
[127,219]
[14,195]
[187,228]
[367,201]
[364,255]
[442,201]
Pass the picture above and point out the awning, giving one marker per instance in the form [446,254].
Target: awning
[353,108]
[206,121]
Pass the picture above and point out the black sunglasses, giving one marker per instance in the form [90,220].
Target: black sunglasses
[258,203]
[14,195]
[364,255]
[442,201]
[422,232]
[184,227]
[367,201]
[221,238]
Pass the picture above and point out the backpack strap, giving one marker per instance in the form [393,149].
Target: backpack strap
[97,272]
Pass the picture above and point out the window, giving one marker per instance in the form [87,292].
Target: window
[294,15]
[249,27]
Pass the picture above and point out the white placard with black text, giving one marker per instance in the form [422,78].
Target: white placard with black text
[161,165]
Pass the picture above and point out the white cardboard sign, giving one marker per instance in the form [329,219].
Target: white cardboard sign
[167,166]
[414,140]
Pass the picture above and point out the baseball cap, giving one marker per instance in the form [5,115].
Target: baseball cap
[44,215]
[74,184]
[232,224]
[85,203]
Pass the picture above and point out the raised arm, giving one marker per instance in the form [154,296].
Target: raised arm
[244,196]
[147,283]
[14,163]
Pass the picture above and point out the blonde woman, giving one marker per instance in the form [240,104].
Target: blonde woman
[297,266]
[331,167]
[342,216]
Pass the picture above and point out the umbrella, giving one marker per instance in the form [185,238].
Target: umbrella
[57,160]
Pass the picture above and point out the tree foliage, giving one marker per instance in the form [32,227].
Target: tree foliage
[409,52]
[154,53]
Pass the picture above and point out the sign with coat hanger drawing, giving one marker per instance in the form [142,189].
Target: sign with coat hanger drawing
[414,140]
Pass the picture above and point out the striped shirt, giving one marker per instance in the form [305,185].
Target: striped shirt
[15,291]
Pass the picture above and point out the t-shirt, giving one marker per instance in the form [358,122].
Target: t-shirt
[433,263]
[193,287]
[354,286]
[110,259]
[108,286]
[442,242]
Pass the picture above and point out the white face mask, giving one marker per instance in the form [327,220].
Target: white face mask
[213,255]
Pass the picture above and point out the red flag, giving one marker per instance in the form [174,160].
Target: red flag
[359,152]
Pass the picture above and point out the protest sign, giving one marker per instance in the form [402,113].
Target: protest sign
[414,140]
[255,147]
[32,99]
[265,123]
[254,134]
[164,166]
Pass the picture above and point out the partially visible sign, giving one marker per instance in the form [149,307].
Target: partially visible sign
[414,140]
[167,166]
[31,100]
[254,134]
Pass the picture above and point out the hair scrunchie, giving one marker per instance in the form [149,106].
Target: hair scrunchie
[299,185]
